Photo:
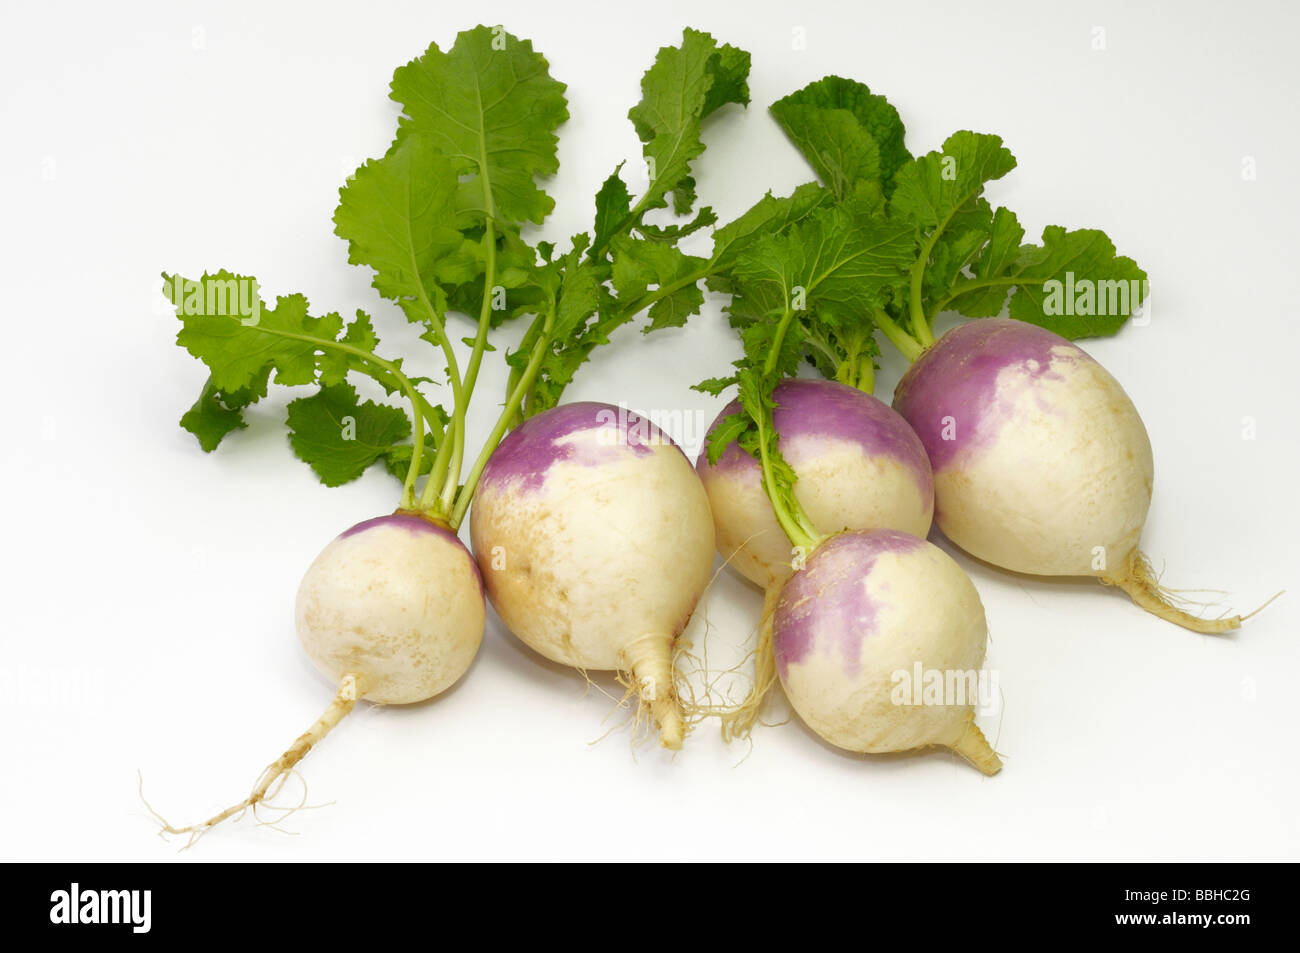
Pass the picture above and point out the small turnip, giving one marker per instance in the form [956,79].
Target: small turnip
[391,611]
[867,610]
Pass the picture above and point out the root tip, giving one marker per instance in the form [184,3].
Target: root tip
[974,747]
[1139,580]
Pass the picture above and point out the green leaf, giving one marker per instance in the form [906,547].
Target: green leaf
[729,70]
[805,276]
[398,216]
[1074,283]
[335,365]
[728,430]
[579,298]
[613,208]
[760,438]
[714,385]
[831,258]
[996,260]
[340,437]
[674,233]
[768,216]
[243,346]
[217,413]
[489,105]
[640,265]
[397,459]
[686,84]
[968,232]
[1093,291]
[930,190]
[847,133]
[237,347]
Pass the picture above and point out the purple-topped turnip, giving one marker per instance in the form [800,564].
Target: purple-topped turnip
[595,542]
[867,610]
[1041,462]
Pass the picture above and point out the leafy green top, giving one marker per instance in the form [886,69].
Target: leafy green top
[886,242]
[438,219]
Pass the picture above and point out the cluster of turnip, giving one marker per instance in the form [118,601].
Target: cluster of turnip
[592,534]
[1029,455]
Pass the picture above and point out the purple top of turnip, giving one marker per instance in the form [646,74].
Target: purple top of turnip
[812,408]
[957,378]
[830,595]
[525,456]
[416,524]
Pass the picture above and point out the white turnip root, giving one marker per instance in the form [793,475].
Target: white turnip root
[396,602]
[1041,462]
[392,611]
[867,611]
[593,535]
[859,466]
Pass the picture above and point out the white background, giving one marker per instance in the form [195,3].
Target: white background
[147,588]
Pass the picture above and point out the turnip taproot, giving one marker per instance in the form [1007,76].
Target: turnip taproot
[595,542]
[1041,462]
[859,466]
[867,610]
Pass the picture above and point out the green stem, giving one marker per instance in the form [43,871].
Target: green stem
[417,455]
[448,448]
[920,321]
[485,310]
[437,325]
[438,469]
[450,483]
[794,521]
[920,324]
[523,386]
[865,379]
[527,344]
[663,291]
[616,320]
[907,345]
[769,365]
[822,346]
[974,284]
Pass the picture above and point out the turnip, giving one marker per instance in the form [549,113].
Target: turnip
[396,604]
[1041,462]
[392,612]
[867,610]
[595,542]
[859,466]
